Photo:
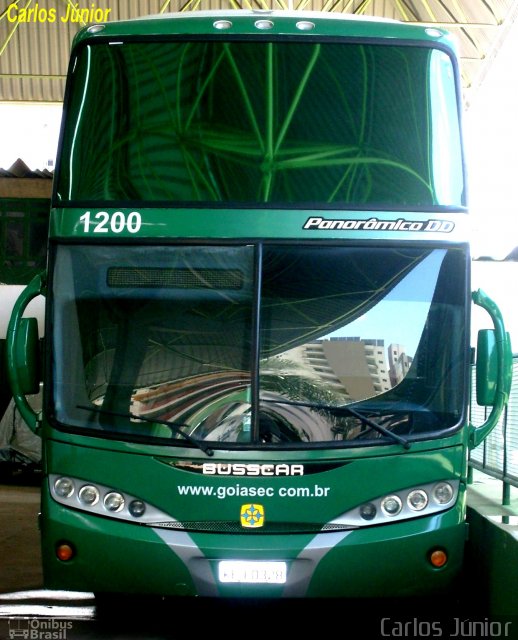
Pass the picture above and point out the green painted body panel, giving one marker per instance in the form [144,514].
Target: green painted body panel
[360,562]
[330,493]
[121,557]
[196,513]
[173,224]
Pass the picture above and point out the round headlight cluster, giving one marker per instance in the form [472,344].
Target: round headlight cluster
[100,500]
[77,493]
[412,502]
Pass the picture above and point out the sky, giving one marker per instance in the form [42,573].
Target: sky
[491,139]
[29,132]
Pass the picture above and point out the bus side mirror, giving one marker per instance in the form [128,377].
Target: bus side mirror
[493,368]
[487,367]
[27,356]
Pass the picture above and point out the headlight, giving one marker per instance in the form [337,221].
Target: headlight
[391,505]
[88,494]
[114,501]
[64,487]
[443,493]
[417,500]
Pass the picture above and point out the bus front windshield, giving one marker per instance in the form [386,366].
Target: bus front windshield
[259,344]
[262,124]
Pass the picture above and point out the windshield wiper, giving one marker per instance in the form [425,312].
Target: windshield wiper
[349,411]
[174,426]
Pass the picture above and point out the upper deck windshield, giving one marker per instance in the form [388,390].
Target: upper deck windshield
[264,345]
[257,123]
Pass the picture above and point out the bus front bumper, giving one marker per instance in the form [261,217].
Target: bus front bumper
[119,557]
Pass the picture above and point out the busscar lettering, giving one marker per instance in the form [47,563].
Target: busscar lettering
[375,224]
[251,469]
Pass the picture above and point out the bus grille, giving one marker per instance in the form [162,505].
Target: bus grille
[235,527]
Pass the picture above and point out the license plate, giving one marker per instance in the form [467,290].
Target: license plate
[252,572]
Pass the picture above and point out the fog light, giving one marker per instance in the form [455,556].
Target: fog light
[64,487]
[88,494]
[113,501]
[65,551]
[368,511]
[417,500]
[137,508]
[438,557]
[391,505]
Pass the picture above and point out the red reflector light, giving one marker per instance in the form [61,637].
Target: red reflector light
[438,558]
[65,551]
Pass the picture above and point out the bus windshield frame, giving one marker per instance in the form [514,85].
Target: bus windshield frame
[259,345]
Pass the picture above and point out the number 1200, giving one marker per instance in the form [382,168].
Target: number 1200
[103,222]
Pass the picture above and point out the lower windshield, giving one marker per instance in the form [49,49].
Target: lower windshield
[259,345]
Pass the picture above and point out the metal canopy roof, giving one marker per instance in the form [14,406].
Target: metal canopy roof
[34,52]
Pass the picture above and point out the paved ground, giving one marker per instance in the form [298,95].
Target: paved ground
[20,558]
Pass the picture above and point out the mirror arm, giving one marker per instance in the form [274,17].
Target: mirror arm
[36,287]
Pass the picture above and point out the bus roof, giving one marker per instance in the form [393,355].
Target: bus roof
[267,23]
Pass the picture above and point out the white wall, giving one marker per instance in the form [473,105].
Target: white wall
[8,296]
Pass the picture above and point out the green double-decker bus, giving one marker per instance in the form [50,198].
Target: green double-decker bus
[257,362]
